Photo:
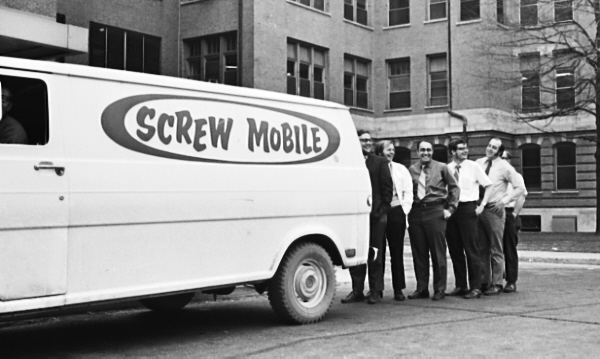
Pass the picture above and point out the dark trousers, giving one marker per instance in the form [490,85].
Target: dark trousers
[510,241]
[427,228]
[394,233]
[375,266]
[461,235]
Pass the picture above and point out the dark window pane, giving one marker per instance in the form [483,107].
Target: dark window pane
[230,78]
[135,52]
[437,11]
[529,15]
[348,97]
[152,55]
[400,100]
[361,84]
[97,45]
[565,79]
[318,74]
[500,11]
[469,10]
[319,91]
[565,98]
[348,81]
[362,99]
[563,10]
[116,49]
[304,87]
[531,223]
[361,16]
[565,155]
[211,73]
[533,178]
[565,178]
[530,156]
[304,70]
[291,68]
[291,85]
[399,17]
[440,153]
[305,2]
[348,12]
[402,156]
[320,4]
[531,99]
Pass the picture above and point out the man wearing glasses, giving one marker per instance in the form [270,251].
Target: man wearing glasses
[461,229]
[511,238]
[382,189]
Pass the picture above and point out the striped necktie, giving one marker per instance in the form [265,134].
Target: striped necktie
[456,173]
[422,183]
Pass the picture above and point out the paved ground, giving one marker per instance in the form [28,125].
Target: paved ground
[555,313]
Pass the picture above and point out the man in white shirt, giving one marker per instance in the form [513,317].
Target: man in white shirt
[511,238]
[492,219]
[461,229]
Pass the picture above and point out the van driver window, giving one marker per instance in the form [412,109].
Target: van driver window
[24,111]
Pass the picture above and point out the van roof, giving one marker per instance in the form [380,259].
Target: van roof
[155,80]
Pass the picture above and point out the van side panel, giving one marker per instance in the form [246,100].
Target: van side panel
[142,224]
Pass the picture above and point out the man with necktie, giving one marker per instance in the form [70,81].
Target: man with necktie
[492,219]
[436,195]
[382,191]
[461,229]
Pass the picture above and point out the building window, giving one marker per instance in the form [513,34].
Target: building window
[437,9]
[438,80]
[469,10]
[565,88]
[122,49]
[213,59]
[305,70]
[399,83]
[566,166]
[563,10]
[531,223]
[529,12]
[356,82]
[531,167]
[356,10]
[530,82]
[500,11]
[440,153]
[402,156]
[399,12]
[317,4]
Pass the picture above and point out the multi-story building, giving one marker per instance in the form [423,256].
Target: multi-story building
[405,70]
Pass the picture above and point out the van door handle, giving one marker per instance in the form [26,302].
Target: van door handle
[50,166]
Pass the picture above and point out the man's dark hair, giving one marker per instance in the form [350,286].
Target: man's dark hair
[500,148]
[419,144]
[362,132]
[454,143]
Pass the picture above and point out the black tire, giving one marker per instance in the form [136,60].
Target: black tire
[302,290]
[168,303]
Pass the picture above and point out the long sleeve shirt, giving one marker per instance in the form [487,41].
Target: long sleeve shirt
[502,173]
[403,190]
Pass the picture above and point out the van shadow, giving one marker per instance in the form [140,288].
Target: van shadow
[110,333]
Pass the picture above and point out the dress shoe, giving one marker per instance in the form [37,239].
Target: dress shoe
[379,292]
[493,290]
[419,294]
[457,292]
[438,295]
[353,297]
[475,293]
[374,297]
[485,287]
[510,288]
[399,296]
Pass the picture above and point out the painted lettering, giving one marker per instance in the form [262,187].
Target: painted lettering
[220,131]
[288,143]
[162,120]
[199,134]
[315,139]
[297,137]
[257,136]
[305,147]
[184,123]
[275,139]
[141,120]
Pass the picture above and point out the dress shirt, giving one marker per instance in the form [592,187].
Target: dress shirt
[403,191]
[501,174]
[470,177]
[11,131]
[440,183]
[510,189]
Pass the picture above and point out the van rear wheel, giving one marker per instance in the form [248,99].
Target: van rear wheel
[168,303]
[302,290]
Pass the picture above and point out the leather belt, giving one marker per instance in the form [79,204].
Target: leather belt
[429,204]
[509,209]
[469,202]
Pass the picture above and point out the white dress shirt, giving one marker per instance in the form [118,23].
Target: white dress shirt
[501,174]
[403,187]
[470,177]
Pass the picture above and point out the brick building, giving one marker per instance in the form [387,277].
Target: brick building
[405,71]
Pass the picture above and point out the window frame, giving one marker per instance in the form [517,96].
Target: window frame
[355,13]
[558,13]
[530,4]
[465,4]
[536,167]
[568,91]
[571,166]
[312,4]
[314,85]
[150,60]
[398,10]
[432,3]
[391,77]
[530,75]
[500,12]
[430,81]
[356,101]
[210,48]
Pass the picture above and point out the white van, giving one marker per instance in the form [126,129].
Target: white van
[150,187]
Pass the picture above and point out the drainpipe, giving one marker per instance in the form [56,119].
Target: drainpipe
[240,40]
[464,120]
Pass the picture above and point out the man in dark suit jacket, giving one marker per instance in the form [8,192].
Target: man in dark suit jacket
[382,189]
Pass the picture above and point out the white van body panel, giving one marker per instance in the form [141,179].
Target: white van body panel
[135,224]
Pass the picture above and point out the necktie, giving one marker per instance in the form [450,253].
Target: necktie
[487,172]
[456,173]
[487,169]
[422,183]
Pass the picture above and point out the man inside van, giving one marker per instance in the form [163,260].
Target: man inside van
[11,131]
[382,189]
